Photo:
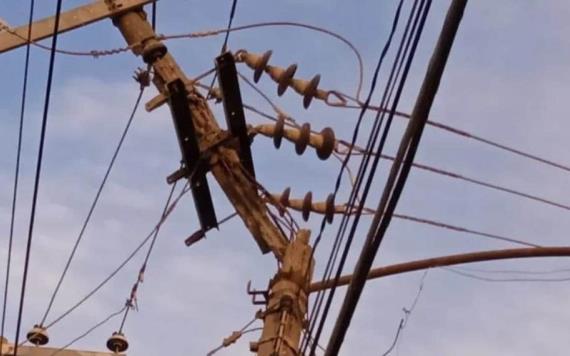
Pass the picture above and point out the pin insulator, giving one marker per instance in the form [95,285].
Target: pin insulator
[327,148]
[38,335]
[307,205]
[279,132]
[117,342]
[304,139]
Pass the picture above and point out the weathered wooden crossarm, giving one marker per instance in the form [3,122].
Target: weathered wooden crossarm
[69,20]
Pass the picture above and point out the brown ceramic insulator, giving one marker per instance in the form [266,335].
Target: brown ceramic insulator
[327,148]
[330,208]
[304,138]
[282,77]
[307,206]
[279,132]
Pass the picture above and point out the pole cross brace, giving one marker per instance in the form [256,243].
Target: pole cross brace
[233,107]
[195,166]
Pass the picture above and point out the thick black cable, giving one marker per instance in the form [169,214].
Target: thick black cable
[17,172]
[315,310]
[230,21]
[38,174]
[404,55]
[394,74]
[398,173]
[93,204]
[376,159]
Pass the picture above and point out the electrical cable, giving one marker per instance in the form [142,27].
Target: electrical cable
[429,168]
[225,44]
[100,53]
[140,277]
[511,271]
[16,174]
[38,174]
[122,264]
[407,313]
[89,331]
[93,204]
[235,336]
[202,34]
[466,134]
[153,17]
[489,279]
[401,55]
[399,171]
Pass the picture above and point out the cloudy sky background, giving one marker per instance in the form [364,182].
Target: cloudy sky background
[507,80]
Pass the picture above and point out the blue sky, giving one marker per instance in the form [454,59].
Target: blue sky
[507,80]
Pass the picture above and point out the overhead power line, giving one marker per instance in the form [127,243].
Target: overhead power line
[37,176]
[123,263]
[16,174]
[89,331]
[396,81]
[224,44]
[94,204]
[407,314]
[494,279]
[344,165]
[398,173]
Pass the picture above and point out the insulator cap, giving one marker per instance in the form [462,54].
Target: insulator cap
[153,51]
[117,343]
[38,335]
[282,77]
[284,199]
[311,91]
[304,139]
[307,205]
[327,148]
[279,132]
[329,208]
[260,65]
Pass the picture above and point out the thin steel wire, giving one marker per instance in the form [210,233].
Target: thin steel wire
[93,204]
[16,174]
[37,175]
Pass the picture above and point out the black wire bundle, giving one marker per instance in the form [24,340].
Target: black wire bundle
[399,171]
[396,80]
[38,174]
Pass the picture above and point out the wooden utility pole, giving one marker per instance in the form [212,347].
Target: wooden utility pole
[224,161]
[287,303]
[284,317]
